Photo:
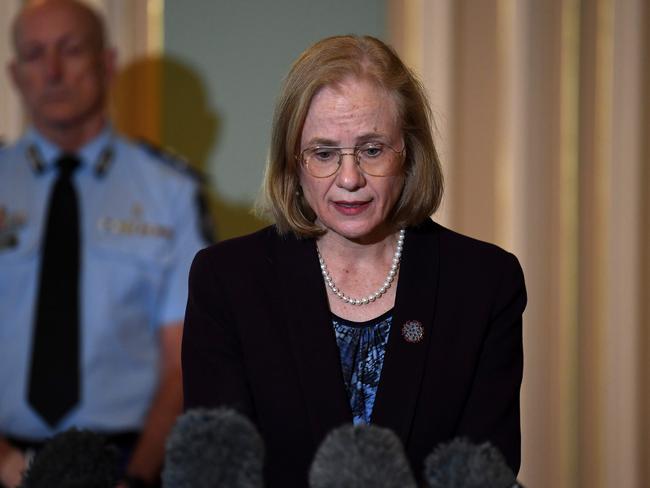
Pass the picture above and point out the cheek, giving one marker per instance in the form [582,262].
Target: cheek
[27,80]
[84,71]
[314,191]
[310,192]
[391,190]
[306,188]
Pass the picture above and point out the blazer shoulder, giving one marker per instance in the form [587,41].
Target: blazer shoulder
[466,246]
[467,254]
[243,252]
[479,265]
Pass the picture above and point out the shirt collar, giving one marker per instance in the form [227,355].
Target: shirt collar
[47,152]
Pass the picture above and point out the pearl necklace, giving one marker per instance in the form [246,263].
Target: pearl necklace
[373,296]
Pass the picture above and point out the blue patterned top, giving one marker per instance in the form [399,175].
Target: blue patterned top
[362,346]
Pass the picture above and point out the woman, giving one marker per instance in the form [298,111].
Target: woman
[355,306]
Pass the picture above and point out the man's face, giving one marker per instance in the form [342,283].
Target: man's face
[61,68]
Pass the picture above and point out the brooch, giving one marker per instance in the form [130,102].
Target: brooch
[412,331]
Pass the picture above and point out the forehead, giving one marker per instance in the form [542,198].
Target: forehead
[350,95]
[352,105]
[51,22]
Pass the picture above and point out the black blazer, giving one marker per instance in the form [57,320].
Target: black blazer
[259,337]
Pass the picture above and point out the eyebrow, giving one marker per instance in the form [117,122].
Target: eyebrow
[370,136]
[319,141]
[71,37]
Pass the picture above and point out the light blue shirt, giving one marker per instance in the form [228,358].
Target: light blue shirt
[140,230]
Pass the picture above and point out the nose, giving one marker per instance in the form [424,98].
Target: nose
[349,176]
[53,66]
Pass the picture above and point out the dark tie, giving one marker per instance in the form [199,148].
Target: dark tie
[54,374]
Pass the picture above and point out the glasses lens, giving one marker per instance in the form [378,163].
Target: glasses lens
[374,159]
[378,159]
[322,161]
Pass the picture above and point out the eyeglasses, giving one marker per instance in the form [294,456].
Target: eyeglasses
[374,159]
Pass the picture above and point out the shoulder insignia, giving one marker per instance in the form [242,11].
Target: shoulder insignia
[172,159]
[181,164]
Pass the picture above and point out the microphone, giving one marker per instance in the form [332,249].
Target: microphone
[462,464]
[360,456]
[72,459]
[213,448]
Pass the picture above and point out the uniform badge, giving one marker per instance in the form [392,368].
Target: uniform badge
[134,226]
[413,331]
[10,224]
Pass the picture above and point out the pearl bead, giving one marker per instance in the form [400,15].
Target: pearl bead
[373,296]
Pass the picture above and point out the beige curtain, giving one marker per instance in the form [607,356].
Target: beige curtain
[11,118]
[543,117]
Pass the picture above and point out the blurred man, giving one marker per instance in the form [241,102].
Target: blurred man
[96,238]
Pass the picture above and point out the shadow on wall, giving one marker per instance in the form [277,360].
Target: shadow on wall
[164,101]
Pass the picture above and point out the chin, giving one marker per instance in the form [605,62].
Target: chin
[58,116]
[60,119]
[357,232]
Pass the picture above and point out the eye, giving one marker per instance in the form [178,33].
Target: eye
[31,53]
[73,48]
[324,154]
[372,150]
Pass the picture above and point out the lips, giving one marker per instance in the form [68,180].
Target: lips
[350,207]
[55,95]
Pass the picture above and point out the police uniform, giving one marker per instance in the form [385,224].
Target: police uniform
[140,229]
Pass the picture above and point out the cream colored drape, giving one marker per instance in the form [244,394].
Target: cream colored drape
[543,111]
[11,117]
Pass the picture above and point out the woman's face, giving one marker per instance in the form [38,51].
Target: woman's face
[350,203]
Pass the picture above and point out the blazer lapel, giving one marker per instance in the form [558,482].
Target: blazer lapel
[404,363]
[311,337]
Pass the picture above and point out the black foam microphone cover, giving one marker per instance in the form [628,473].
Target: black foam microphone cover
[462,464]
[361,456]
[73,459]
[209,448]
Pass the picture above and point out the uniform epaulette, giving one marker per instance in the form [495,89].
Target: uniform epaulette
[172,159]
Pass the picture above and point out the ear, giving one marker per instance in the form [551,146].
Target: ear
[12,71]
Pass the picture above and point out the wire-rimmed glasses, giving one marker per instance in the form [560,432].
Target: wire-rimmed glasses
[374,159]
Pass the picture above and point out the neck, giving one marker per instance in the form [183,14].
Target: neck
[356,268]
[345,249]
[71,138]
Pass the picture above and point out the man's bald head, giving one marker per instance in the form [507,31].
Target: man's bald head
[62,67]
[88,20]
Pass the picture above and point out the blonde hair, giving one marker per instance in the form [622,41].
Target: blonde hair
[327,63]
